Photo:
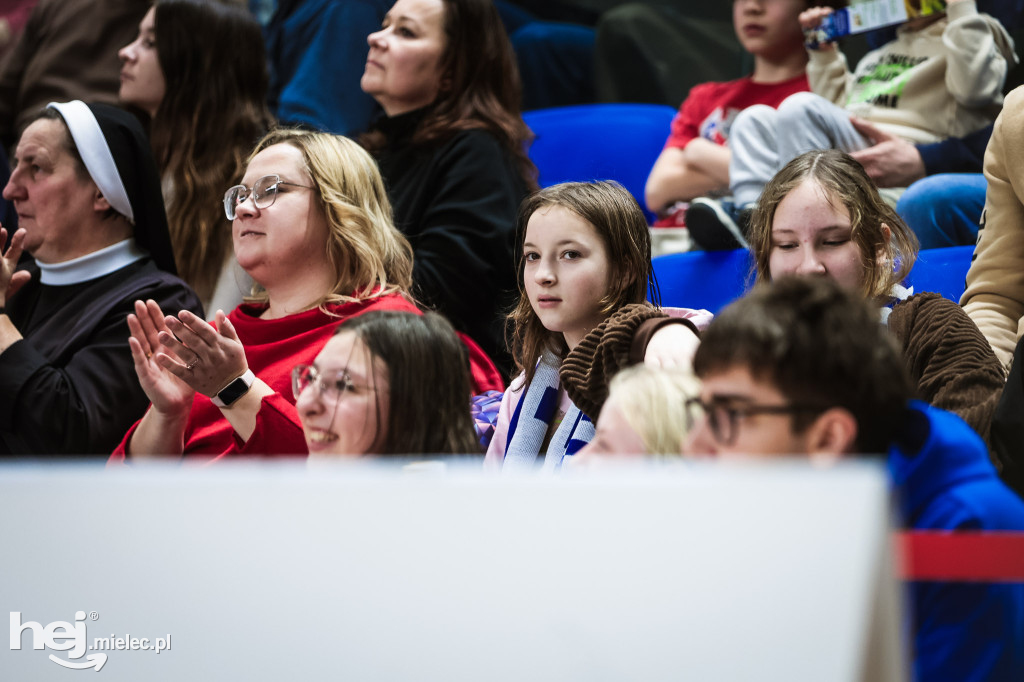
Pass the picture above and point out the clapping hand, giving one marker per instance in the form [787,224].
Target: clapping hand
[204,358]
[168,394]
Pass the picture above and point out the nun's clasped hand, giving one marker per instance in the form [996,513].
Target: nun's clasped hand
[205,358]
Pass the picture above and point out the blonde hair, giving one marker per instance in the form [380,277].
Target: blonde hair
[842,180]
[653,403]
[368,253]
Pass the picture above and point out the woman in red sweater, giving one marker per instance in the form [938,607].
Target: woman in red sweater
[311,223]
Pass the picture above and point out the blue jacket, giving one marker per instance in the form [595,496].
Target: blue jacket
[945,481]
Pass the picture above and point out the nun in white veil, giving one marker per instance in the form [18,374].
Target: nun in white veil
[91,216]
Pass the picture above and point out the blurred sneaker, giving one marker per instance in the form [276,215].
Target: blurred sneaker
[717,225]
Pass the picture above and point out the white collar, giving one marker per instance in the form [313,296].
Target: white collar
[91,266]
[898,293]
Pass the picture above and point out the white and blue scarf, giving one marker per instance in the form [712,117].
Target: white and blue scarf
[532,416]
[898,294]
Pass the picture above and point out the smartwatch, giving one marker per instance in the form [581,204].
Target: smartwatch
[230,394]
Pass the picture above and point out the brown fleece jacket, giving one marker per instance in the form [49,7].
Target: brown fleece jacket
[618,342]
[948,358]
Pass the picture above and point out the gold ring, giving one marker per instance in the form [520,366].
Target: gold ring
[192,364]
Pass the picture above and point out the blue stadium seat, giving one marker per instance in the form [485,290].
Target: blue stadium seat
[599,142]
[713,279]
[943,271]
[703,279]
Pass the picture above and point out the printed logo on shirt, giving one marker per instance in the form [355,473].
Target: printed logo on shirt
[883,84]
[74,638]
[717,125]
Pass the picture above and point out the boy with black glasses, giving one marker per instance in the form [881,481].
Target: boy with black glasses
[805,368]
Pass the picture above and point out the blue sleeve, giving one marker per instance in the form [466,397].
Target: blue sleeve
[956,154]
[968,632]
[318,54]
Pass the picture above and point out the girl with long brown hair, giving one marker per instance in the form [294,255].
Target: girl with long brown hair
[582,316]
[198,69]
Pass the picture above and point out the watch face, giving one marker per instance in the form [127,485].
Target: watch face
[233,391]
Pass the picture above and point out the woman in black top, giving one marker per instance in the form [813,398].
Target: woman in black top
[452,150]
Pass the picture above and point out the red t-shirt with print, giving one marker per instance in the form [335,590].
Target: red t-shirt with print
[710,108]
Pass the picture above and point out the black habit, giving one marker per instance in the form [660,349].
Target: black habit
[69,387]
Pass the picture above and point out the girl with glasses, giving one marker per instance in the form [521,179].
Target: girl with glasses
[368,389]
[197,68]
[322,248]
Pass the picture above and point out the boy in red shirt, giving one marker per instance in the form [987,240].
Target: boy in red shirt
[695,161]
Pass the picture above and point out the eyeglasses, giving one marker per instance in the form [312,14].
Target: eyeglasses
[328,387]
[724,418]
[263,192]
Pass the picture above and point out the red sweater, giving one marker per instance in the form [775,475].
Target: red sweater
[272,349]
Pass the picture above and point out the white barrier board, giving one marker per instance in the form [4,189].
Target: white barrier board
[282,572]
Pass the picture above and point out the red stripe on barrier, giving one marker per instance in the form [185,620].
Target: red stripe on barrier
[962,555]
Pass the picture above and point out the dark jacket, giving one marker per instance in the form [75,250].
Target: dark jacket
[69,387]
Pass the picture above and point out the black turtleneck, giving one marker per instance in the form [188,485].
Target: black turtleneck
[456,200]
